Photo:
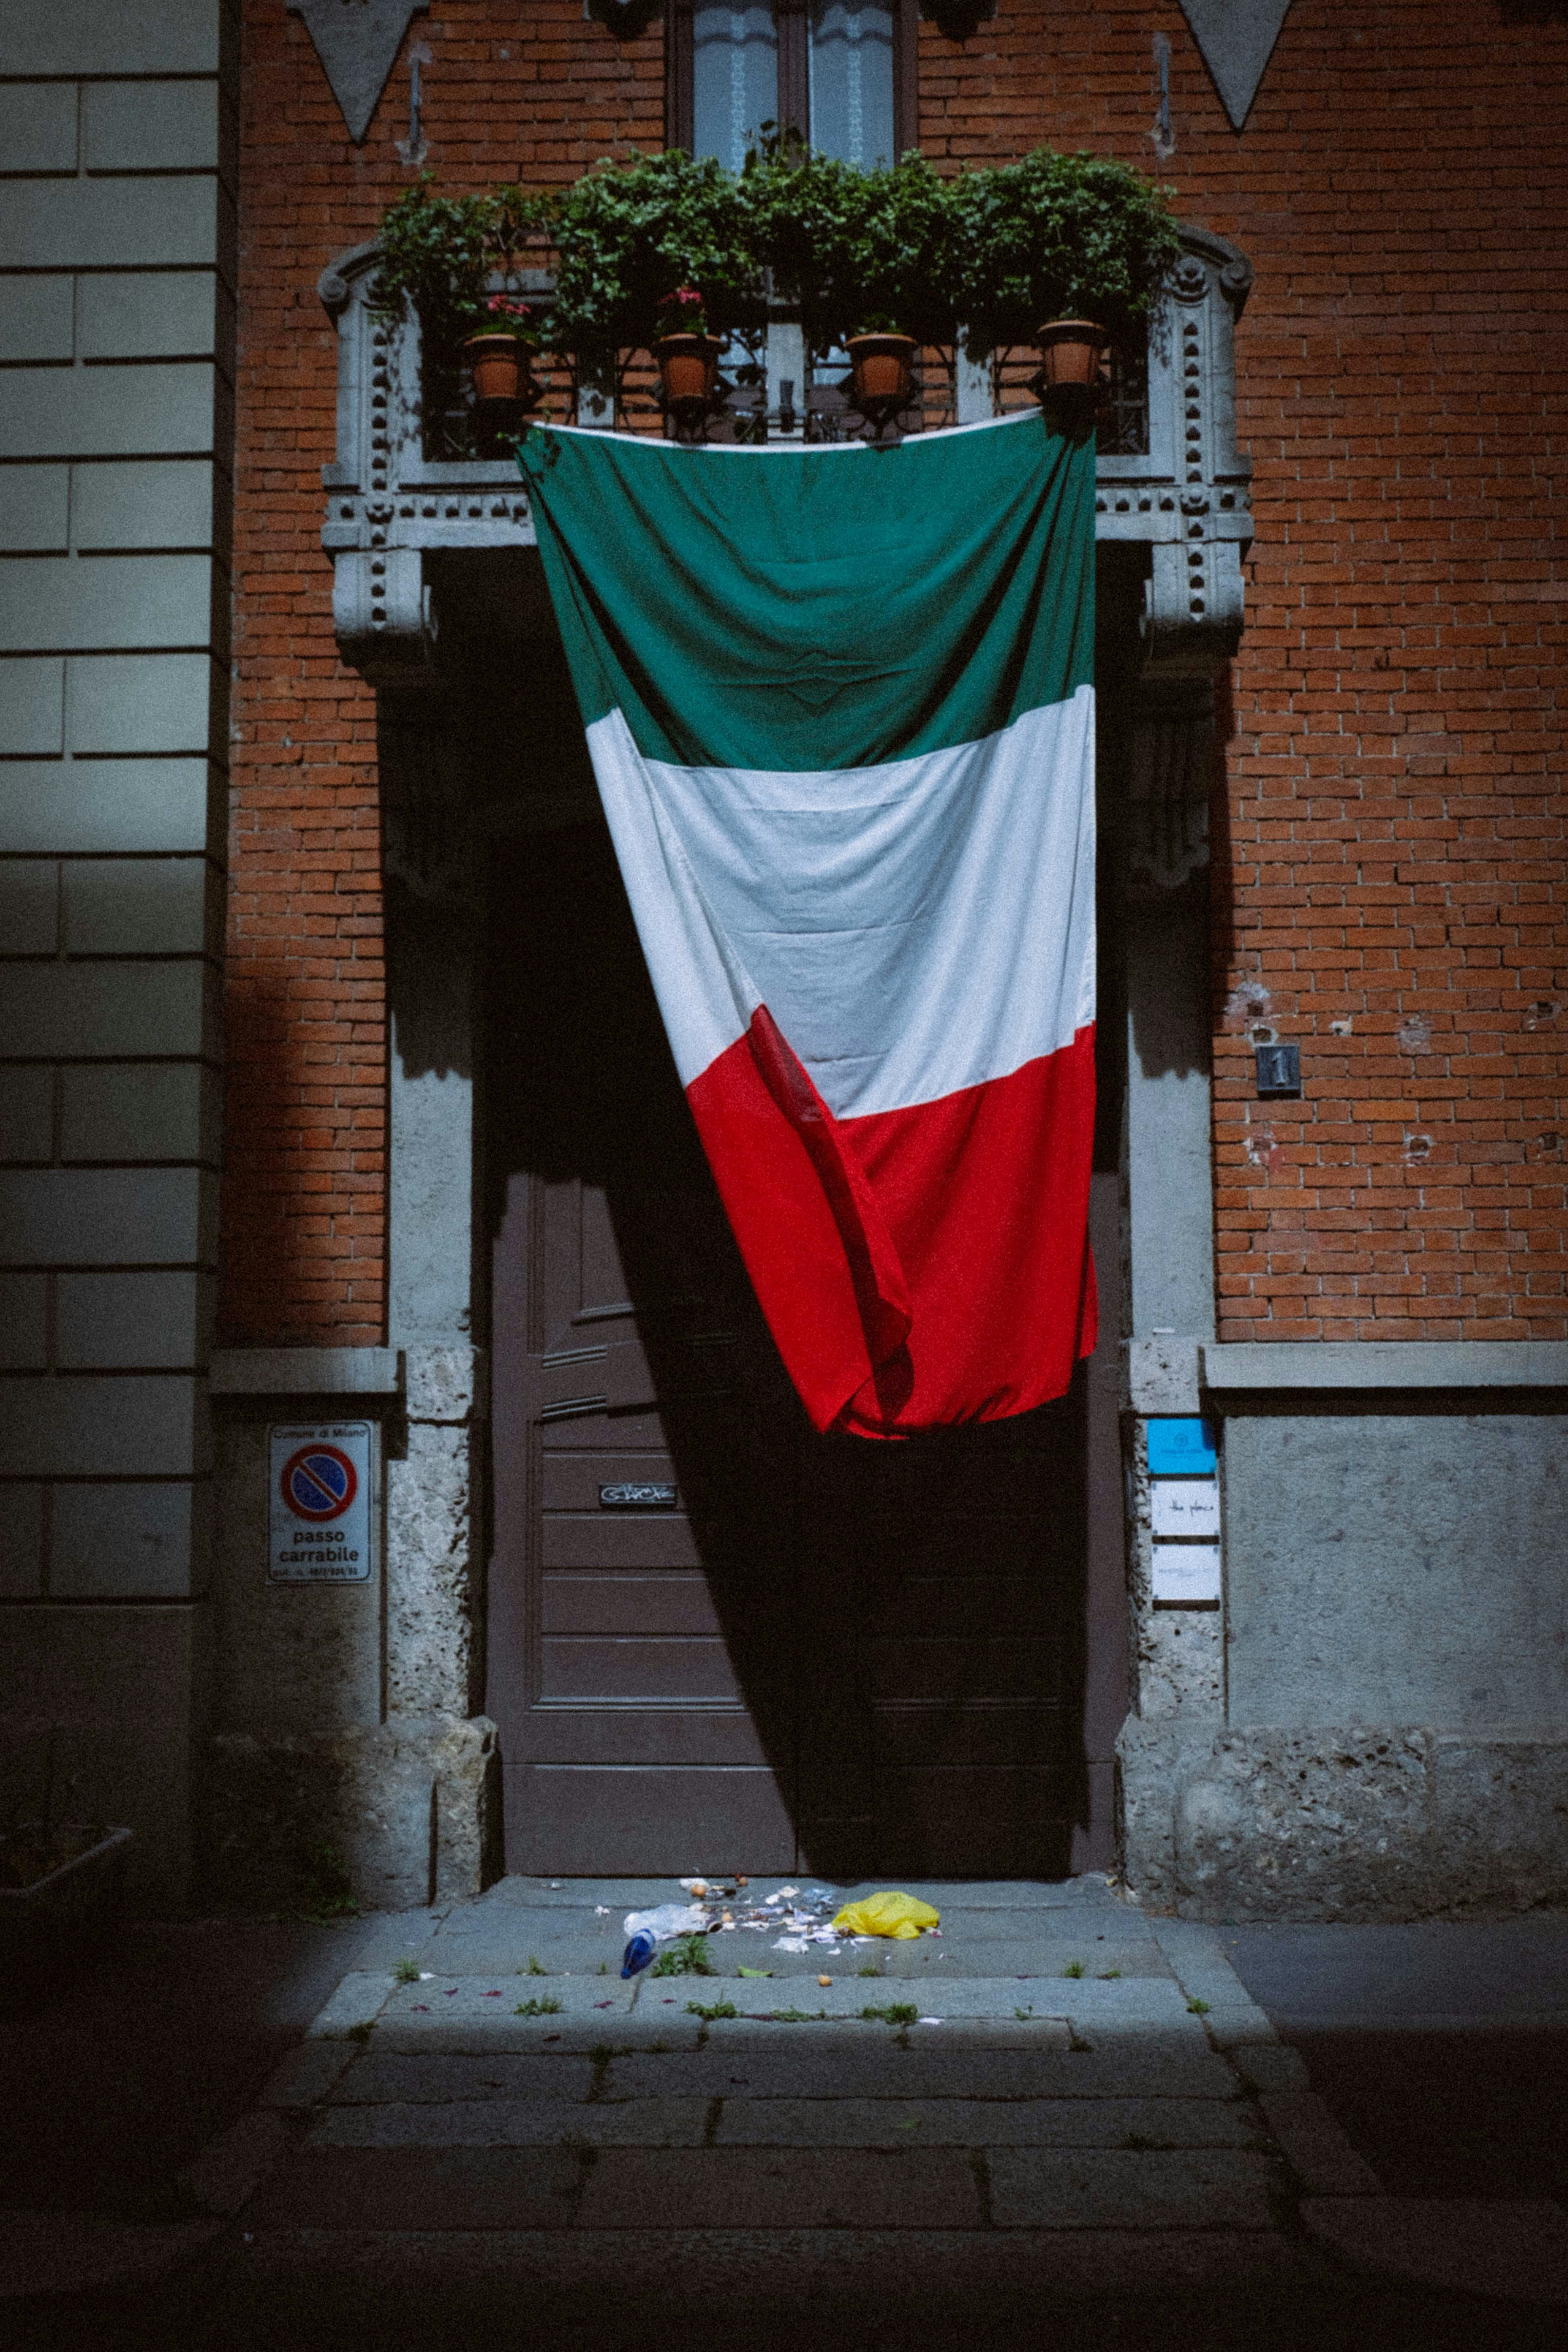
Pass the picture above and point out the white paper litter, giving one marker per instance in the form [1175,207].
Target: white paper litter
[670,1920]
[789,1944]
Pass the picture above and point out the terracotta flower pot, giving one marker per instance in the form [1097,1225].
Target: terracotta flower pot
[687,368]
[1070,353]
[884,367]
[498,365]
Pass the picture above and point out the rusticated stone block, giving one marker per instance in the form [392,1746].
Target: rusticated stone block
[387,1817]
[1329,1824]
[1500,1820]
[430,1599]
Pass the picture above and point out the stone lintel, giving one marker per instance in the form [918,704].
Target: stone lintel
[307,1371]
[1252,1366]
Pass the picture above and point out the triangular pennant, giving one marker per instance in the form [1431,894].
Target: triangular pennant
[1237,40]
[357,42]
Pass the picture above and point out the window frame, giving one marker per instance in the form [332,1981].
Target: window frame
[794,71]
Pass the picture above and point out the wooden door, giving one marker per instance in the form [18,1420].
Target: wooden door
[641,1654]
[716,1640]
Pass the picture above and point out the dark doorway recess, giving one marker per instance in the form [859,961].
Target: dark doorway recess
[815,1654]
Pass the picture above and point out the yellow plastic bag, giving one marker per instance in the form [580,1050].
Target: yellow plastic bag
[899,1915]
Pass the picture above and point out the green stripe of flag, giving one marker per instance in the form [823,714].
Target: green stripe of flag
[796,609]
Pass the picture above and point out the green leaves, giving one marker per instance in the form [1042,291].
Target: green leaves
[856,248]
[631,233]
[1056,236]
[990,254]
[439,254]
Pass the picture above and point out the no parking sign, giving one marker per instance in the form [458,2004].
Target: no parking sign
[320,1516]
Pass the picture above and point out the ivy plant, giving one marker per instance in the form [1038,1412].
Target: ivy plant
[628,236]
[439,255]
[987,255]
[1056,236]
[860,251]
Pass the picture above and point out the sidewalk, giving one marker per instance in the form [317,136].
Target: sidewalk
[1056,2101]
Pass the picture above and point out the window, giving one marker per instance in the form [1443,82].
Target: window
[838,72]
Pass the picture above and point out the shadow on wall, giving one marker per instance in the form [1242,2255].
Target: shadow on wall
[1222,860]
[271,1255]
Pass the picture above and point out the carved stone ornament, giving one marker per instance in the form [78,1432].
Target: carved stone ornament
[357,42]
[397,521]
[1236,39]
[958,18]
[1168,785]
[628,20]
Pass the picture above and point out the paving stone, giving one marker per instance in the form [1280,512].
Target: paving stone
[1193,2188]
[1315,2147]
[464,1999]
[1515,2248]
[500,2122]
[850,1999]
[987,2123]
[421,2188]
[1269,2066]
[1239,2027]
[307,2074]
[754,2188]
[1198,1955]
[860,2278]
[1023,1956]
[550,2036]
[226,2172]
[52,2252]
[832,2062]
[1133,2001]
[359,1999]
[382,2077]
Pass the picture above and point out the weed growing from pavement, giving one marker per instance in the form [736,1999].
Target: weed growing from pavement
[1023,2015]
[535,1967]
[898,2013]
[405,1970]
[1075,1968]
[537,2008]
[709,2011]
[873,1971]
[687,1957]
[1196,2008]
[362,2031]
[1108,1974]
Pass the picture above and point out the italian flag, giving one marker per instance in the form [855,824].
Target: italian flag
[840,707]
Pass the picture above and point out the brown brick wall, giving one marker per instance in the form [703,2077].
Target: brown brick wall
[1389,807]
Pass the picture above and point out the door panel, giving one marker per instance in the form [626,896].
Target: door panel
[642,1658]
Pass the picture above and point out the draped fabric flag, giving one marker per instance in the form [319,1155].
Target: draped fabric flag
[840,707]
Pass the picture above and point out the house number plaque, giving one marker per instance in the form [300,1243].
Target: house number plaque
[630,1497]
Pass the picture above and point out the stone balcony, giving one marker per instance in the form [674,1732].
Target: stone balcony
[391,506]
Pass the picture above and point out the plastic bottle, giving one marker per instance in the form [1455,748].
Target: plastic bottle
[640,1951]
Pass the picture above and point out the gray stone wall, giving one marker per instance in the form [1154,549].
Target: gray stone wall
[346,1764]
[1375,1724]
[116,338]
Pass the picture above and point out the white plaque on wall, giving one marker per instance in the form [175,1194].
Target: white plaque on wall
[1186,1576]
[1185,1507]
[320,1491]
